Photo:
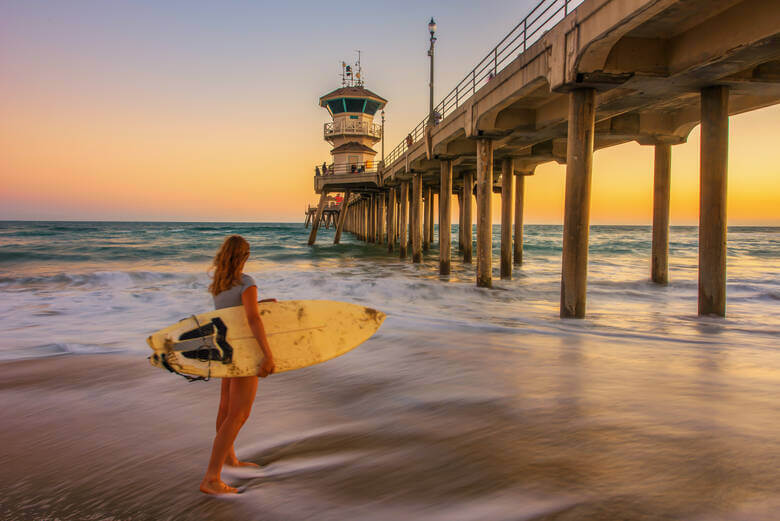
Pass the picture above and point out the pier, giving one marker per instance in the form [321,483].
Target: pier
[570,78]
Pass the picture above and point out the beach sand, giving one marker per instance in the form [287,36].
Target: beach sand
[478,431]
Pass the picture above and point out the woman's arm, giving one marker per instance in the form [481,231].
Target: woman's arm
[249,300]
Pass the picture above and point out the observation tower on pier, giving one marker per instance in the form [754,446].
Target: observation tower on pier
[353,168]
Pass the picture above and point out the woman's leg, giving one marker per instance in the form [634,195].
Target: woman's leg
[241,392]
[224,407]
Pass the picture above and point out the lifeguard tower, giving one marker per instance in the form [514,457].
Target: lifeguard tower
[353,168]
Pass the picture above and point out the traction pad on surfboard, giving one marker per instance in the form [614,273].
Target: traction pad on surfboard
[206,343]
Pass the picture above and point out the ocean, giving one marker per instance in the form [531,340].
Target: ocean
[469,403]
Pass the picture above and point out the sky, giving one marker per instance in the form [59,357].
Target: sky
[208,111]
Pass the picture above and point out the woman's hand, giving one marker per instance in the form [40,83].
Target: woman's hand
[267,367]
[249,299]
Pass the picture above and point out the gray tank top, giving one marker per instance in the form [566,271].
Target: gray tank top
[232,297]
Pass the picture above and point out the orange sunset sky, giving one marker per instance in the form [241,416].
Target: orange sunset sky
[136,111]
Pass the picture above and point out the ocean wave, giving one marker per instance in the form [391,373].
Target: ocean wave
[108,278]
[55,349]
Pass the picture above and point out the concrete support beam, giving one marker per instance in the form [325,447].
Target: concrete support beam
[460,221]
[445,194]
[380,218]
[712,200]
[315,225]
[409,225]
[468,233]
[661,192]
[417,217]
[404,214]
[390,220]
[342,217]
[507,194]
[431,219]
[576,220]
[484,213]
[371,204]
[426,233]
[519,201]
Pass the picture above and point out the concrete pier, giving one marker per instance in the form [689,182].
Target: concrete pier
[416,217]
[662,168]
[484,213]
[576,221]
[712,200]
[403,241]
[536,102]
[459,195]
[315,225]
[426,240]
[468,231]
[519,202]
[507,194]
[445,195]
[390,220]
[342,216]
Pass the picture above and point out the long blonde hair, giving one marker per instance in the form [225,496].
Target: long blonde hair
[228,263]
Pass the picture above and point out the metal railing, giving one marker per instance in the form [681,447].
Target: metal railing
[545,15]
[368,167]
[350,127]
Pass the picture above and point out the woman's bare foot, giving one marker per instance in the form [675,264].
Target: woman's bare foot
[236,463]
[216,487]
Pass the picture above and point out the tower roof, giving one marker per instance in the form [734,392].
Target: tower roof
[352,92]
[353,146]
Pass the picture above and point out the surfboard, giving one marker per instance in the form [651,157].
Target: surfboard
[300,333]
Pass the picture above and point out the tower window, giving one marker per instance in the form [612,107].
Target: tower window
[336,106]
[354,104]
[371,107]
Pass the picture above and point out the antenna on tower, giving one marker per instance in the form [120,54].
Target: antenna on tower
[359,71]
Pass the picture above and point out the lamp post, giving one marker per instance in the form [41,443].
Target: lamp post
[432,30]
[383,137]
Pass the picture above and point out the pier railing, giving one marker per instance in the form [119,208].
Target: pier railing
[352,128]
[545,15]
[368,167]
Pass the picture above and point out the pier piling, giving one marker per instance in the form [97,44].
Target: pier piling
[507,194]
[402,240]
[576,220]
[342,216]
[484,213]
[661,193]
[468,232]
[712,200]
[445,194]
[426,242]
[416,211]
[390,220]
[315,225]
[519,201]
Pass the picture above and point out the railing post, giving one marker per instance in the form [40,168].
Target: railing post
[456,96]
[525,33]
[473,81]
[495,62]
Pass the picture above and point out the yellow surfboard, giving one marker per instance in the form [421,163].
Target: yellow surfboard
[300,333]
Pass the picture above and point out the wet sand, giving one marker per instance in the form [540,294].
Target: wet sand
[496,427]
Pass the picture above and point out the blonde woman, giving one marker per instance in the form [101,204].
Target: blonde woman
[231,287]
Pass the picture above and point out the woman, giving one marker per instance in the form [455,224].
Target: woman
[230,287]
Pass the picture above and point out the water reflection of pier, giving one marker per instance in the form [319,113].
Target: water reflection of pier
[570,78]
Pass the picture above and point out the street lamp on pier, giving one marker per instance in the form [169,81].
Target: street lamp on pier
[383,137]
[432,30]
